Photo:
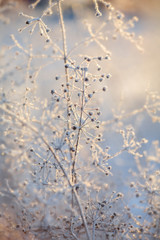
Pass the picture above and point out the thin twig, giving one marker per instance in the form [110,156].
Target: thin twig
[79,130]
[65,62]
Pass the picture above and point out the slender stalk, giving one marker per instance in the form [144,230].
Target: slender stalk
[82,214]
[68,120]
[63,32]
[79,132]
[64,47]
[66,69]
[67,80]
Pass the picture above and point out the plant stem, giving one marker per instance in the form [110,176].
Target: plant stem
[66,69]
[68,120]
[64,48]
[79,131]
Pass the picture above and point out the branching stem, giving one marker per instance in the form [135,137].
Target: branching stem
[44,140]
[66,69]
[79,130]
[68,120]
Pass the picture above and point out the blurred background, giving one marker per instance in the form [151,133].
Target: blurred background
[132,6]
[143,7]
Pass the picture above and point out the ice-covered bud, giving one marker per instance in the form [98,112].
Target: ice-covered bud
[104,89]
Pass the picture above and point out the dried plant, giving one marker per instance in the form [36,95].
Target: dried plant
[59,170]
